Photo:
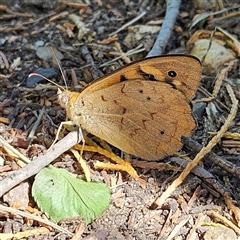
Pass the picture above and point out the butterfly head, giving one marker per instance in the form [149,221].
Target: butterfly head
[63,97]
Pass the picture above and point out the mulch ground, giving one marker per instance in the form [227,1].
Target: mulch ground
[28,25]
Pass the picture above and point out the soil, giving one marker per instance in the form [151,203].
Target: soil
[129,215]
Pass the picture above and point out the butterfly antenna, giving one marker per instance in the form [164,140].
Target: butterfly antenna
[39,75]
[59,65]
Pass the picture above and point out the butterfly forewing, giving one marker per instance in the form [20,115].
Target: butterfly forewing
[180,71]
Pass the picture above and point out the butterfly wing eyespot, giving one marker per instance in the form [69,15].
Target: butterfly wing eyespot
[172,74]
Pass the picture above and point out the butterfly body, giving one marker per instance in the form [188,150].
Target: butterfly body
[142,109]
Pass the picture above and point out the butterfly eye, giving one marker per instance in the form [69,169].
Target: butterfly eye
[65,99]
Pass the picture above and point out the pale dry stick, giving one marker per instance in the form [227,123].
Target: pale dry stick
[193,232]
[74,79]
[120,165]
[4,59]
[209,45]
[12,29]
[12,149]
[59,16]
[230,15]
[230,204]
[135,50]
[224,220]
[77,5]
[167,28]
[30,216]
[166,224]
[25,233]
[203,151]
[204,174]
[40,19]
[108,40]
[83,165]
[213,157]
[209,96]
[206,15]
[220,4]
[223,73]
[128,53]
[39,163]
[235,42]
[123,55]
[17,14]
[31,134]
[128,23]
[232,135]
[177,228]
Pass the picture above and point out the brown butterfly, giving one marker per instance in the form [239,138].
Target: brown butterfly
[142,108]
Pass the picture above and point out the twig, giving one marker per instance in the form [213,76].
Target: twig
[12,149]
[208,14]
[31,134]
[177,228]
[224,220]
[223,73]
[40,19]
[231,206]
[138,49]
[17,14]
[213,157]
[36,218]
[198,223]
[37,164]
[12,29]
[4,59]
[204,174]
[167,27]
[129,23]
[230,15]
[96,73]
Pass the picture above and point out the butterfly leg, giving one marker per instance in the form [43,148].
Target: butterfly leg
[58,132]
[81,137]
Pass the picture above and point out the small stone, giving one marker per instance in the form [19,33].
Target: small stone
[46,72]
[220,233]
[46,54]
[216,56]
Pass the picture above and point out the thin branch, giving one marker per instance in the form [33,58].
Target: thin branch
[213,157]
[39,163]
[167,28]
[36,218]
[128,23]
[4,143]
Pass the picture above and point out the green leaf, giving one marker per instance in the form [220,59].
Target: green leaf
[60,195]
